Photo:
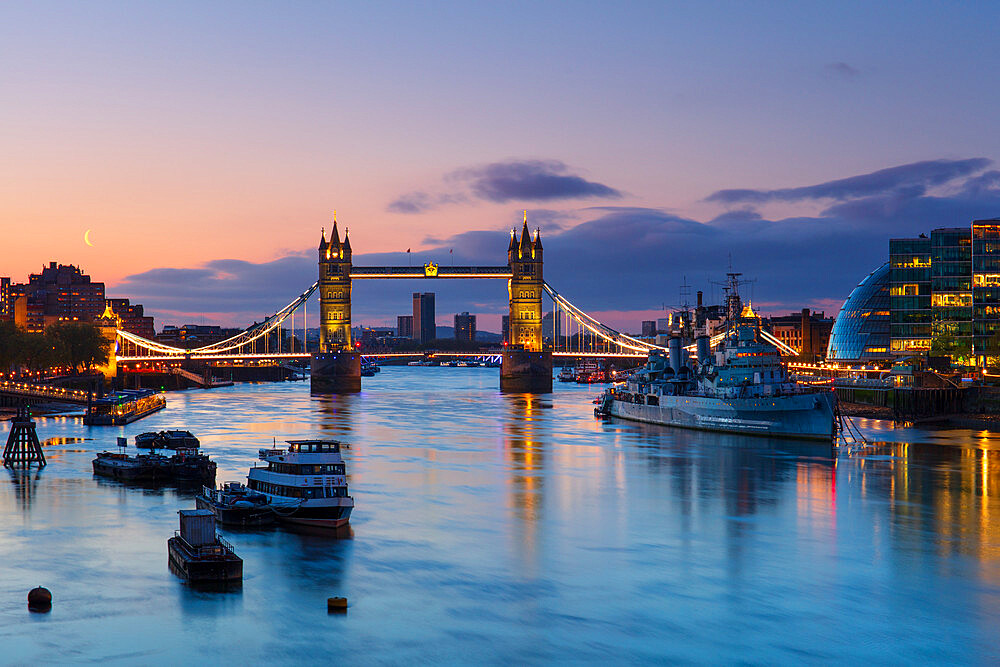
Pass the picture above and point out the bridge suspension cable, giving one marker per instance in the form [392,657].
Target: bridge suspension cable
[598,331]
[240,340]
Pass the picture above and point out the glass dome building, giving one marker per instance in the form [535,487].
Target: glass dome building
[861,331]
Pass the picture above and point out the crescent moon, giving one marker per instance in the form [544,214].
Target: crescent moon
[86,238]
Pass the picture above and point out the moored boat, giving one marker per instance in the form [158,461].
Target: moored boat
[235,505]
[740,387]
[184,466]
[174,439]
[198,554]
[123,407]
[305,484]
[125,468]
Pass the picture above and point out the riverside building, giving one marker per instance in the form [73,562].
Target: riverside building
[944,294]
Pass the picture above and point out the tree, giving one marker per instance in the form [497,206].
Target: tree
[11,346]
[38,351]
[79,344]
[945,344]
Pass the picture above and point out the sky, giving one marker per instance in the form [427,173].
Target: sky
[205,144]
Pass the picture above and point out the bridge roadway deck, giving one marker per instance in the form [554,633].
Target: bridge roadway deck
[422,271]
[303,355]
[29,390]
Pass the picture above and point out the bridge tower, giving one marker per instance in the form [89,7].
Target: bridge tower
[336,368]
[527,364]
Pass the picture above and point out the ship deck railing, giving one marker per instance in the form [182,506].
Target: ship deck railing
[222,548]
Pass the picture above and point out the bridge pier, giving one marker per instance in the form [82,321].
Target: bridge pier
[526,372]
[335,372]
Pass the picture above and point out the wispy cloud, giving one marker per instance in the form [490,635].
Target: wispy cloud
[501,182]
[842,69]
[531,180]
[915,175]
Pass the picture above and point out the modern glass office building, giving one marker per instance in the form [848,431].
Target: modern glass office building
[986,292]
[910,295]
[951,292]
[945,294]
[861,331]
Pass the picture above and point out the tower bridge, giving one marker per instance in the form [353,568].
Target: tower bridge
[526,365]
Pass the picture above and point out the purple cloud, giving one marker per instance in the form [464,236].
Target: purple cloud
[500,182]
[531,180]
[924,174]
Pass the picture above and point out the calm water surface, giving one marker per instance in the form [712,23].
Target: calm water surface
[495,528]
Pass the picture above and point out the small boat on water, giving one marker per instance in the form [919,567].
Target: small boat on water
[167,440]
[567,374]
[305,484]
[235,505]
[198,554]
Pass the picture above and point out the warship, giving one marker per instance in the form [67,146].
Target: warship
[738,386]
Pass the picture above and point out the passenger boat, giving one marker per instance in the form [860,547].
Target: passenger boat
[123,407]
[305,484]
[235,505]
[368,367]
[567,374]
[590,371]
[740,387]
[199,555]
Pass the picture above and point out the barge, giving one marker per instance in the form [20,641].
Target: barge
[198,554]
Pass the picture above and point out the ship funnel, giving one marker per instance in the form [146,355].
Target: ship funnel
[674,346]
[704,350]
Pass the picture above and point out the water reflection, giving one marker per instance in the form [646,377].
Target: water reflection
[25,481]
[947,495]
[525,433]
[512,528]
[336,415]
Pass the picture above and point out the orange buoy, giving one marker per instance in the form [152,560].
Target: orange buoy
[336,604]
[39,599]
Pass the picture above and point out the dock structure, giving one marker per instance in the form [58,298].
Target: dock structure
[23,448]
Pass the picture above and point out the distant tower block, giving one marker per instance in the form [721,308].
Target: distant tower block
[336,368]
[23,447]
[526,365]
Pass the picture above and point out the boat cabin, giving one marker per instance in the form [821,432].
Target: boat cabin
[313,447]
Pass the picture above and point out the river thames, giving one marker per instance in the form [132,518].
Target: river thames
[501,528]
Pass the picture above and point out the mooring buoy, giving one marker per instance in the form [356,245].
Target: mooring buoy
[39,599]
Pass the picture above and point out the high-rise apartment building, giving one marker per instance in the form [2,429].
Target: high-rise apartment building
[424,327]
[465,327]
[404,326]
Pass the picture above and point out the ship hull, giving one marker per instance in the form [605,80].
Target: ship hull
[802,416]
